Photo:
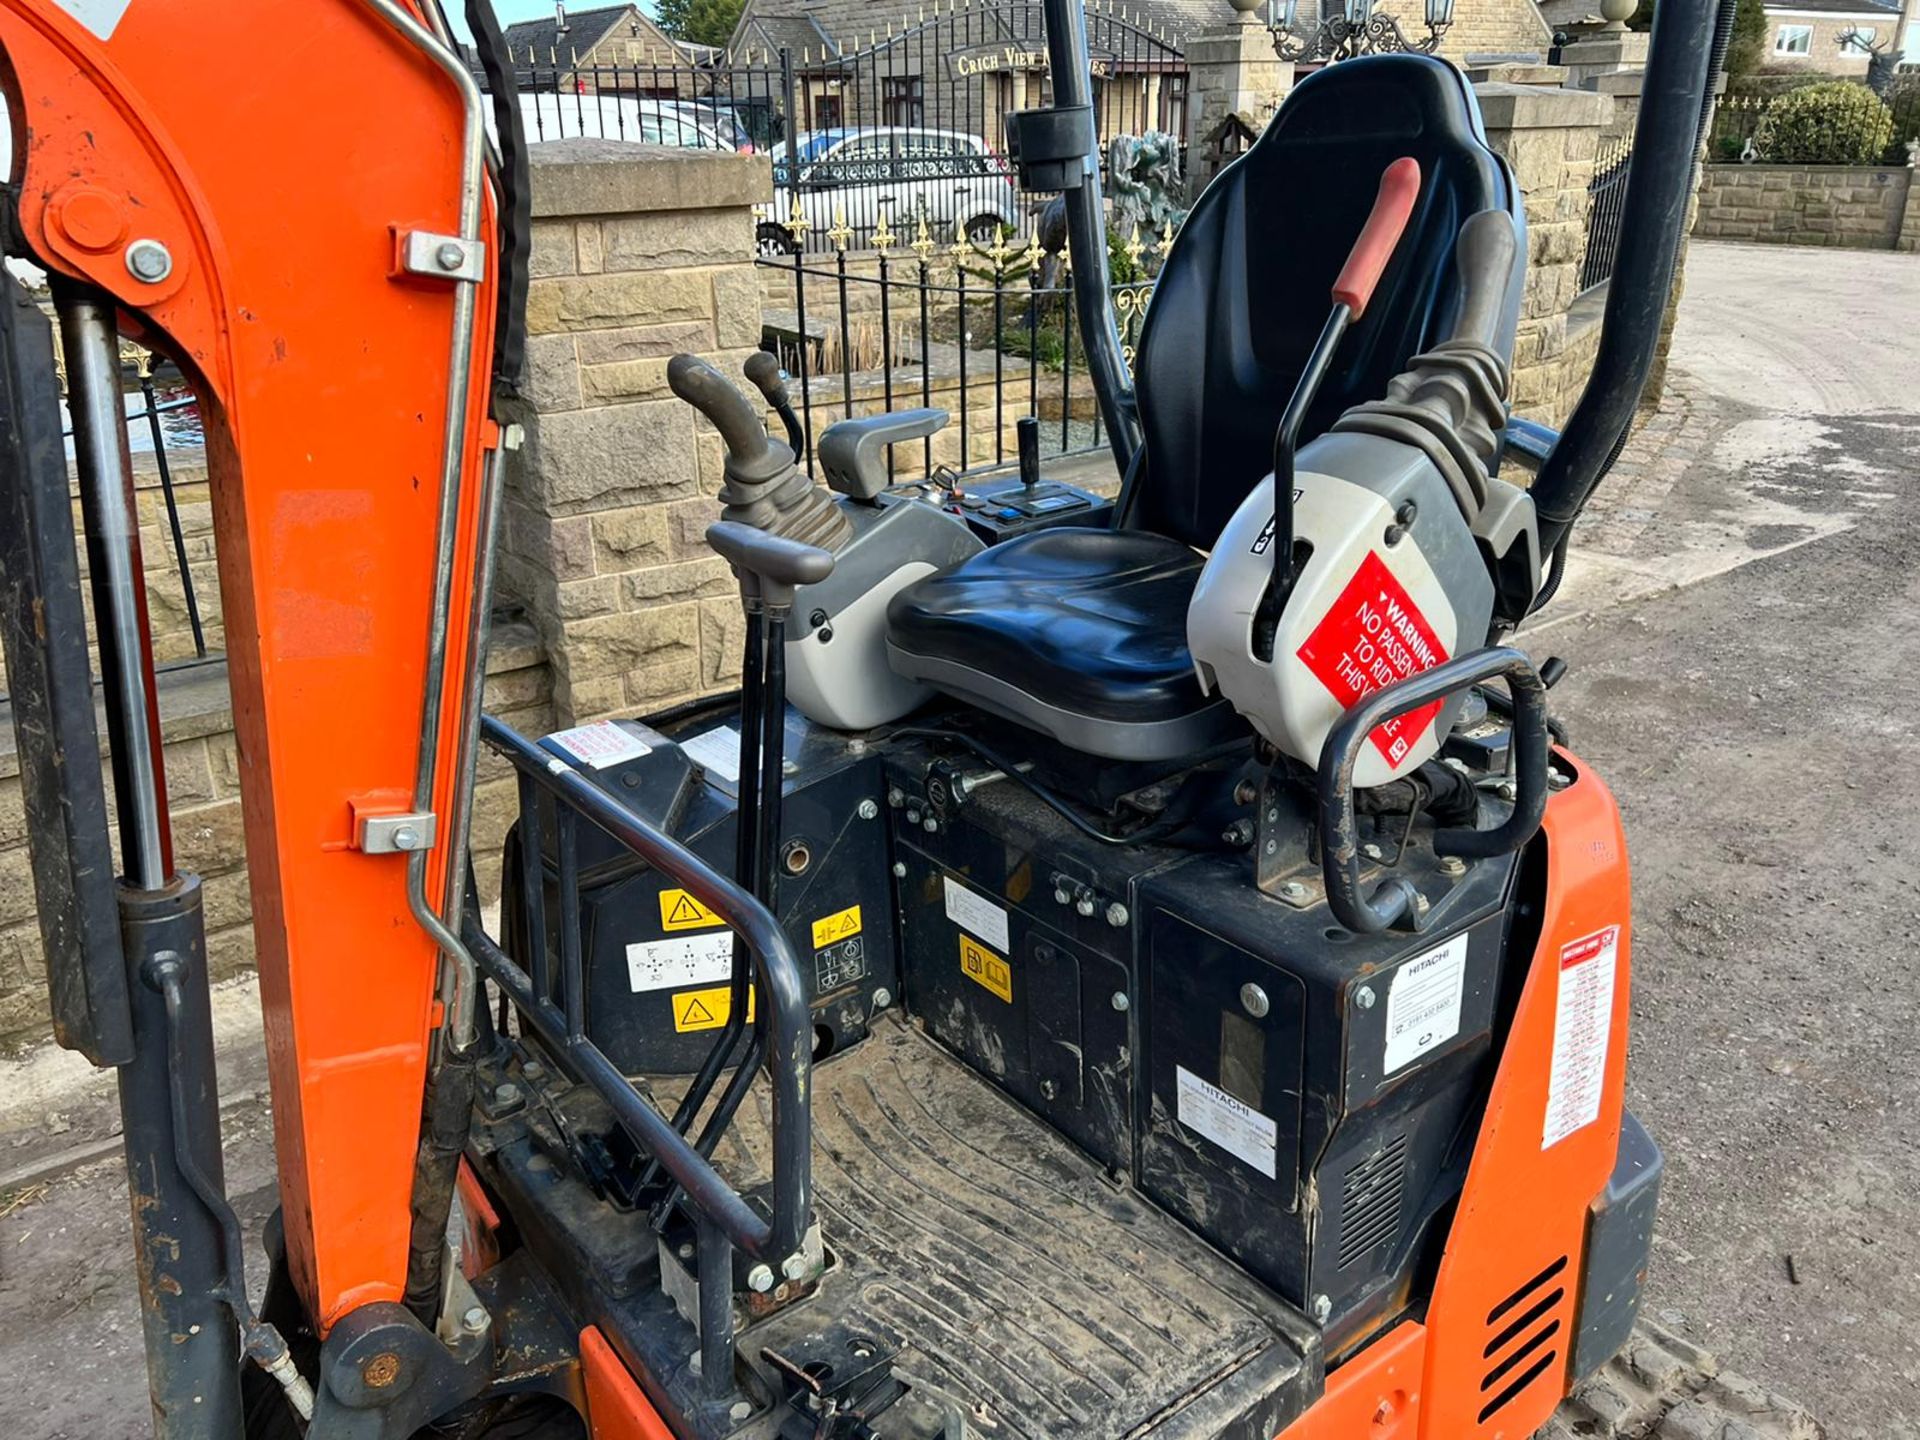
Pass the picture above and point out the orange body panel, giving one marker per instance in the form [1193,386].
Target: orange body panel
[1523,1210]
[216,128]
[616,1409]
[1522,1215]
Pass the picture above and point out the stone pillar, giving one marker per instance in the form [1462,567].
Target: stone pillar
[639,253]
[1231,70]
[1550,138]
[1609,52]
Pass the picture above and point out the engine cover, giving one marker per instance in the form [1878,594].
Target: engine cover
[1394,584]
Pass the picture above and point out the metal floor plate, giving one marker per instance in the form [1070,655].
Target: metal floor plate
[1023,1289]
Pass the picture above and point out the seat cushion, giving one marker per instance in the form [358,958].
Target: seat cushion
[1080,634]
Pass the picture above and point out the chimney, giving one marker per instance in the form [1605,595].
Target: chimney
[560,17]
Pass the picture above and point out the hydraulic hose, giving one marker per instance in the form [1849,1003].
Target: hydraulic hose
[1681,76]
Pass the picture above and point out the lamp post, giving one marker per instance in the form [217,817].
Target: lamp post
[1356,30]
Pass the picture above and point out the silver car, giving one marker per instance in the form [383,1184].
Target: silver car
[899,173]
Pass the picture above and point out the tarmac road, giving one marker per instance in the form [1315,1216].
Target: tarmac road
[1757,723]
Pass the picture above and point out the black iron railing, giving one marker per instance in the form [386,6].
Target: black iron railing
[985,331]
[1606,203]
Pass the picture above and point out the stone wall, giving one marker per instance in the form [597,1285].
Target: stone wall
[1480,27]
[1862,207]
[608,503]
[1550,137]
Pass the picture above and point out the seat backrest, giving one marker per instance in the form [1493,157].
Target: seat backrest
[1246,287]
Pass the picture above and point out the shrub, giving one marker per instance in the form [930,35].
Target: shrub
[1833,123]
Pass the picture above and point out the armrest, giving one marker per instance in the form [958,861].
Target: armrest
[853,453]
[770,566]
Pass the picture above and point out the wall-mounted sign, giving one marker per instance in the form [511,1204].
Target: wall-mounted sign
[1006,59]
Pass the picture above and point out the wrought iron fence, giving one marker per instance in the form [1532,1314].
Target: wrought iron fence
[1606,204]
[1741,133]
[910,124]
[985,331]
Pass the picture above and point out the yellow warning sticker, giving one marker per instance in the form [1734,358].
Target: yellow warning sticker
[680,911]
[986,968]
[705,1009]
[832,929]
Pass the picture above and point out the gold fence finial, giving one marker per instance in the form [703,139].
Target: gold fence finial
[883,236]
[840,234]
[797,222]
[962,245]
[923,242]
[1133,246]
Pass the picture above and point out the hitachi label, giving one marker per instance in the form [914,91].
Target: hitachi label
[102,17]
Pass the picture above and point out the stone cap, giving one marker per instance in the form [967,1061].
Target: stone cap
[1533,107]
[1517,72]
[573,178]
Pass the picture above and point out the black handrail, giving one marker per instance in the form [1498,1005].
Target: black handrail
[1396,901]
[780,1010]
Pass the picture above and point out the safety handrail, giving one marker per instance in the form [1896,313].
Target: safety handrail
[780,1002]
[1395,902]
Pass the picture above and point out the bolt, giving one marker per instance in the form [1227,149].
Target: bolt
[475,1319]
[1254,1001]
[1452,865]
[1062,895]
[1420,903]
[1506,791]
[507,1094]
[899,869]
[1048,1090]
[1293,890]
[533,1070]
[882,998]
[149,261]
[450,256]
[913,816]
[686,1252]
[930,825]
[896,797]
[1117,915]
[406,838]
[869,810]
[740,1410]
[1120,1001]
[1372,852]
[1245,793]
[381,1370]
[1558,779]
[1322,1308]
[760,1279]
[1239,833]
[1364,997]
[795,1266]
[1084,904]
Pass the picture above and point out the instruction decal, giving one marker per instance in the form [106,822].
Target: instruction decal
[1372,637]
[985,968]
[717,752]
[601,744]
[1235,1126]
[1582,1032]
[831,929]
[680,911]
[706,1009]
[839,965]
[975,912]
[1423,1004]
[680,960]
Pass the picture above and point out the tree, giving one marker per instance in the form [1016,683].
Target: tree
[703,22]
[1749,39]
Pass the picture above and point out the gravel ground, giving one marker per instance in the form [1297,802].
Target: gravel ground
[1746,675]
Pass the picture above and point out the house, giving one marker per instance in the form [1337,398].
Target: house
[582,42]
[1838,37]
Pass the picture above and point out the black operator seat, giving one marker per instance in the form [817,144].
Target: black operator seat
[1082,634]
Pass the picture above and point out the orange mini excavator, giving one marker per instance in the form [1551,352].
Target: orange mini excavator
[1161,977]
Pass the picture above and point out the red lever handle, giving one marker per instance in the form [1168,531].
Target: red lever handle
[1392,208]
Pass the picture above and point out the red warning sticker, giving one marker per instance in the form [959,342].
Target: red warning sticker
[1373,636]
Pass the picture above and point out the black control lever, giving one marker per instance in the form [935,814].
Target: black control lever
[763,369]
[769,568]
[1027,430]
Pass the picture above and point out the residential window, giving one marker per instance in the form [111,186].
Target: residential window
[1910,47]
[1859,40]
[903,100]
[1793,40]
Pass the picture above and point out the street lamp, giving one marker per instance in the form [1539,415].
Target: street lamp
[1356,30]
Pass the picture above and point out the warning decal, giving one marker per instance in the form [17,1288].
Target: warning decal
[1582,1031]
[831,929]
[985,968]
[705,1009]
[601,744]
[1372,637]
[680,911]
[680,960]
